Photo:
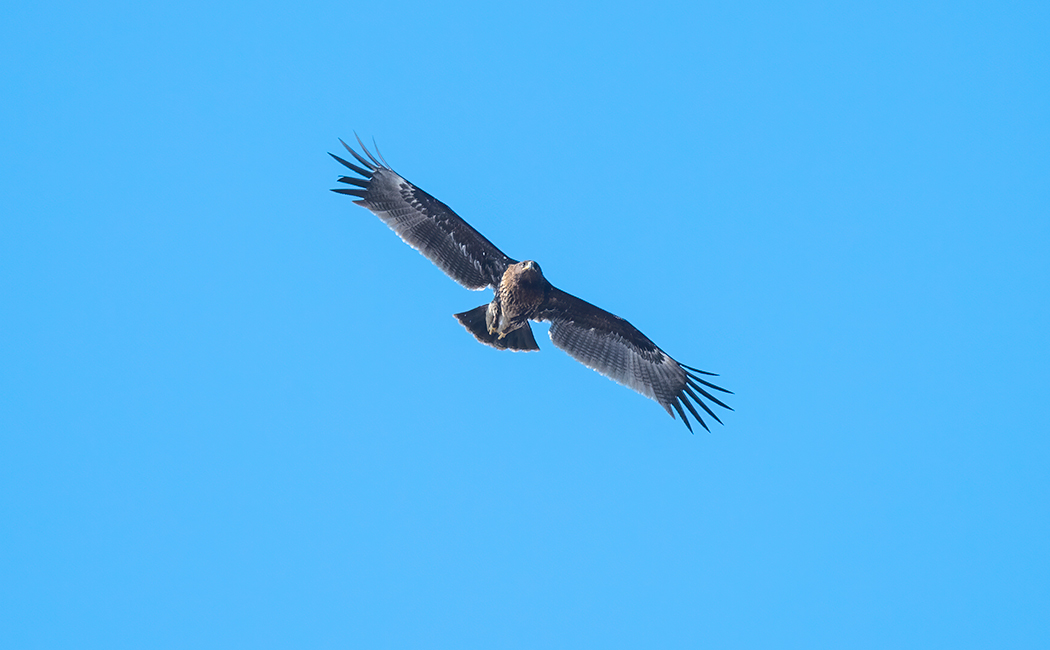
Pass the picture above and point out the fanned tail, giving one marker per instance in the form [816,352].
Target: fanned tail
[519,339]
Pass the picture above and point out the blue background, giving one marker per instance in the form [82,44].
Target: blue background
[236,410]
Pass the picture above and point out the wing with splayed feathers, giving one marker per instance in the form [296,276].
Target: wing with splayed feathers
[616,349]
[423,222]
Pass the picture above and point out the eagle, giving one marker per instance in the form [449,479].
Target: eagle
[521,293]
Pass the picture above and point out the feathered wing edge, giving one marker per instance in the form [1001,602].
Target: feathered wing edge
[371,164]
[693,382]
[616,349]
[422,222]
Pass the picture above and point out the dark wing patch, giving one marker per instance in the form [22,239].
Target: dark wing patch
[616,349]
[423,222]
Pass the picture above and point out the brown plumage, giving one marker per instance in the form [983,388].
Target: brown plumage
[592,336]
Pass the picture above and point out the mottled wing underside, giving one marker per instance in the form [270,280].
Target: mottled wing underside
[423,222]
[616,349]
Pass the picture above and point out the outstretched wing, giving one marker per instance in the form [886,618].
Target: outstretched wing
[423,222]
[615,348]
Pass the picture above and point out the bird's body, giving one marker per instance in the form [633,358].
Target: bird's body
[521,291]
[593,336]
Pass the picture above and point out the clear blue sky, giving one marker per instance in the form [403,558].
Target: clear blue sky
[236,410]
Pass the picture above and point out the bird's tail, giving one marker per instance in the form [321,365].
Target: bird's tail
[519,339]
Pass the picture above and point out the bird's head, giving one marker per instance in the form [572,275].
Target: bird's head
[528,273]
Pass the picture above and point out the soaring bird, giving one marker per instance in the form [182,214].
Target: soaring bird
[591,335]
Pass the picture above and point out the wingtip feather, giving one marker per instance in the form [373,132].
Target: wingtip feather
[368,153]
[692,410]
[357,170]
[685,420]
[350,192]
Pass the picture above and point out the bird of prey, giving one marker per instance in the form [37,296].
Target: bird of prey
[592,336]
